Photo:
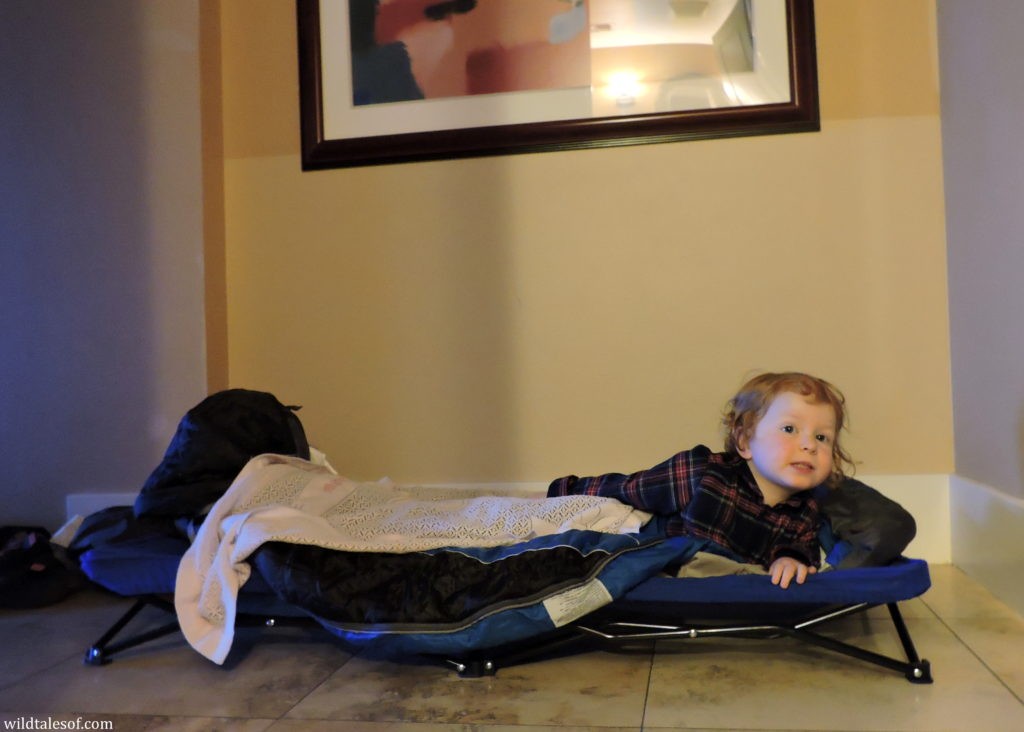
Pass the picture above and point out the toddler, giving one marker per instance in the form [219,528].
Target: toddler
[754,500]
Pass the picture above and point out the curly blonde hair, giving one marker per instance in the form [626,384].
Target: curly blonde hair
[745,409]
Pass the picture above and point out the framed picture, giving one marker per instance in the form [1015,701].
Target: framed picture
[390,81]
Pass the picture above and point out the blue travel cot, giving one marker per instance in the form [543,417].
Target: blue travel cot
[520,629]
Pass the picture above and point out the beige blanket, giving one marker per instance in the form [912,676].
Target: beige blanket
[277,498]
[706,564]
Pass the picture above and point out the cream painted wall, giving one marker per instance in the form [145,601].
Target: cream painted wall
[519,317]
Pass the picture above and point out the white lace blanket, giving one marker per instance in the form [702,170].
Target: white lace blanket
[277,498]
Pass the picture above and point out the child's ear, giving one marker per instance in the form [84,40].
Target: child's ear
[743,445]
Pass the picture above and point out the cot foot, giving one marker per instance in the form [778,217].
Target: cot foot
[920,672]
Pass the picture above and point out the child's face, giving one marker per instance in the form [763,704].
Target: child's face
[791,447]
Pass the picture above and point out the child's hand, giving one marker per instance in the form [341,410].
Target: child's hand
[784,569]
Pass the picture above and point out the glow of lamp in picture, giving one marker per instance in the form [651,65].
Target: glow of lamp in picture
[624,87]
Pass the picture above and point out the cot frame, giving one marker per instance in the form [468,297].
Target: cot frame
[111,642]
[617,634]
[585,634]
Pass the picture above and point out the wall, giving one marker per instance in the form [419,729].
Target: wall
[101,276]
[982,103]
[516,318]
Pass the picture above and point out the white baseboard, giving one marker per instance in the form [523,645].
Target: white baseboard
[988,538]
[83,504]
[524,490]
[926,496]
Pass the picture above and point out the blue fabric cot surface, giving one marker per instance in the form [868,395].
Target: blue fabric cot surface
[143,566]
[146,565]
[902,580]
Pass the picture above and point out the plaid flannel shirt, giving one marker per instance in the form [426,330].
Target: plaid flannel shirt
[713,496]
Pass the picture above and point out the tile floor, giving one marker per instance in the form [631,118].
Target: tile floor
[290,679]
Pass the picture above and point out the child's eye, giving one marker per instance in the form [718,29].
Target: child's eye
[822,438]
[789,428]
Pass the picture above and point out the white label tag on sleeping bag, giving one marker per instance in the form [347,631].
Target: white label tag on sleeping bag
[567,606]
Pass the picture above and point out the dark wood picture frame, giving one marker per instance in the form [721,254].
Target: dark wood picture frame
[799,114]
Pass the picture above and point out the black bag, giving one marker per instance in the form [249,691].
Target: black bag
[213,442]
[31,572]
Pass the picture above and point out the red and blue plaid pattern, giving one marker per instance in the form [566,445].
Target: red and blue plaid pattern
[713,496]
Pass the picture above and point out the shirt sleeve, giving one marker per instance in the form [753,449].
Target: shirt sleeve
[661,490]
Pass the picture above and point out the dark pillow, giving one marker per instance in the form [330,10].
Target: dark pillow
[877,528]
